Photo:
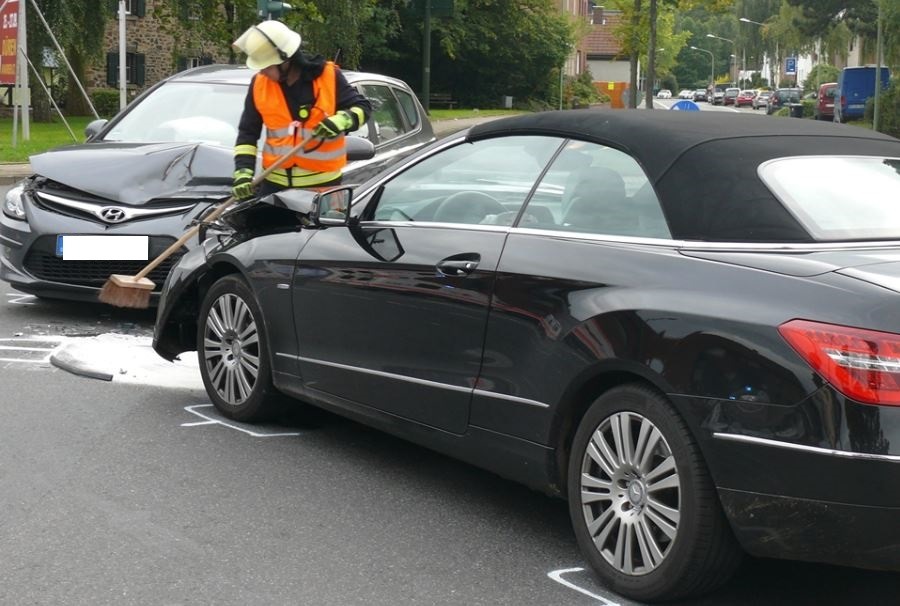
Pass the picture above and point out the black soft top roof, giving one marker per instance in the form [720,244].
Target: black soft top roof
[704,165]
[658,138]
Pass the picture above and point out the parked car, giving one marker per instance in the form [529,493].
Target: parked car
[153,170]
[699,94]
[685,93]
[761,99]
[717,96]
[782,97]
[825,101]
[664,94]
[855,86]
[745,97]
[730,96]
[584,302]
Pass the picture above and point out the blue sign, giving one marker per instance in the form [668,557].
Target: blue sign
[790,66]
[686,106]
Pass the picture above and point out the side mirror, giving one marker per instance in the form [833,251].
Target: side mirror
[333,206]
[93,128]
[358,148]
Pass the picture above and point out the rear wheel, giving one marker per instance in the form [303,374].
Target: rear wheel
[645,511]
[233,349]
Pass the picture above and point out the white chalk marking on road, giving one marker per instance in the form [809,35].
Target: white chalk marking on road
[19,298]
[556,575]
[211,420]
[59,341]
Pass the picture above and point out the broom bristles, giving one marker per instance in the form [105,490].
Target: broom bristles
[126,291]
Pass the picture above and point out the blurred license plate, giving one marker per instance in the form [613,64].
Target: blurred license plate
[103,248]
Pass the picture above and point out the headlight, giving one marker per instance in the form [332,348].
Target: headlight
[14,204]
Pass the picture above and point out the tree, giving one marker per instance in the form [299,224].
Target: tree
[78,27]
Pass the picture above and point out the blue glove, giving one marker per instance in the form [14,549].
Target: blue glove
[242,186]
[335,125]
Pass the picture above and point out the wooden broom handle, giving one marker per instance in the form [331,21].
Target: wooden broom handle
[215,213]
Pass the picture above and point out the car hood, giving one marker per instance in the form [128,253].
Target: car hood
[135,173]
[880,266]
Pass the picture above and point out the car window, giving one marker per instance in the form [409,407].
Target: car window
[387,115]
[485,182]
[596,189]
[838,197]
[189,112]
[408,103]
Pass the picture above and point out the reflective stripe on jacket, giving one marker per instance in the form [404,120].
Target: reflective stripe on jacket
[284,131]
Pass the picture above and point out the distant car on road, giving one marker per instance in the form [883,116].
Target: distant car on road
[664,94]
[825,101]
[782,97]
[730,96]
[718,96]
[761,99]
[699,94]
[745,97]
[686,93]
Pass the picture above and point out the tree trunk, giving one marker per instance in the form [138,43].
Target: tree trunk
[76,104]
[651,56]
[635,54]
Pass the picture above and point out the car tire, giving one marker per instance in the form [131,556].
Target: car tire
[667,498]
[232,347]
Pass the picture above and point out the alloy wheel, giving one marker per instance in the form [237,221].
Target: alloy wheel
[231,349]
[630,493]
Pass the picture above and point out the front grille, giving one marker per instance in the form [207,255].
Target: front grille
[42,262]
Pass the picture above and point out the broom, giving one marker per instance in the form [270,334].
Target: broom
[134,291]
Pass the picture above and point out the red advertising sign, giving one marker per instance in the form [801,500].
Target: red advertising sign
[9,19]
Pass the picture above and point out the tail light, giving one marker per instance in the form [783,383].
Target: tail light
[864,365]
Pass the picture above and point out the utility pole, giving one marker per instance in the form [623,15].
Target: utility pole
[426,58]
[23,93]
[879,55]
[123,58]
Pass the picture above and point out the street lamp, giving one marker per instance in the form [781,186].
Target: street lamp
[734,46]
[712,68]
[746,20]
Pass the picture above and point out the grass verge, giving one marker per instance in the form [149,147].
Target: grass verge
[43,136]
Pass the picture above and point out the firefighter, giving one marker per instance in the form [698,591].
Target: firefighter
[294,95]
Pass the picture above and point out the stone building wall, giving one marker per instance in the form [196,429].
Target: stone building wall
[146,37]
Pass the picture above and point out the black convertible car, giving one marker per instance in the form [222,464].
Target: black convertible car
[701,354]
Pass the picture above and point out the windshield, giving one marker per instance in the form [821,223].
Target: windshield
[839,197]
[184,112]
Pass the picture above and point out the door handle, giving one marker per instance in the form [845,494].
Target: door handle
[459,265]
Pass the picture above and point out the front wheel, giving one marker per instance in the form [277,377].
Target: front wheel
[644,509]
[233,349]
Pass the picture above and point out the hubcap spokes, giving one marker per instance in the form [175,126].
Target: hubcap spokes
[231,349]
[630,493]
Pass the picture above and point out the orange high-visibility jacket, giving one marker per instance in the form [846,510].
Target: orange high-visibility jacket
[284,131]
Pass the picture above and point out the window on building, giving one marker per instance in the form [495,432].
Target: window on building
[135,8]
[134,69]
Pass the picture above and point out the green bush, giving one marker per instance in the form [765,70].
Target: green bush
[889,110]
[106,102]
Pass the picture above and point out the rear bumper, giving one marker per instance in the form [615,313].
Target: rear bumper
[815,531]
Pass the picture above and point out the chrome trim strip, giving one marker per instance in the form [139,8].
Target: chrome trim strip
[389,375]
[130,213]
[509,398]
[810,449]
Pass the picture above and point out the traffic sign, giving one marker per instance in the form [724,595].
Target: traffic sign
[686,106]
[790,66]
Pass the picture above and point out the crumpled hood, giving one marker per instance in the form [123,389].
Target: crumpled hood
[135,173]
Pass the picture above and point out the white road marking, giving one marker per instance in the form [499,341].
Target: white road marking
[556,575]
[12,345]
[210,420]
[20,298]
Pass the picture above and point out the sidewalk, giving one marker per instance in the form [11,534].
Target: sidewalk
[11,173]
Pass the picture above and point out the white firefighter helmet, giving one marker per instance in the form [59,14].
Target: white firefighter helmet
[268,43]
